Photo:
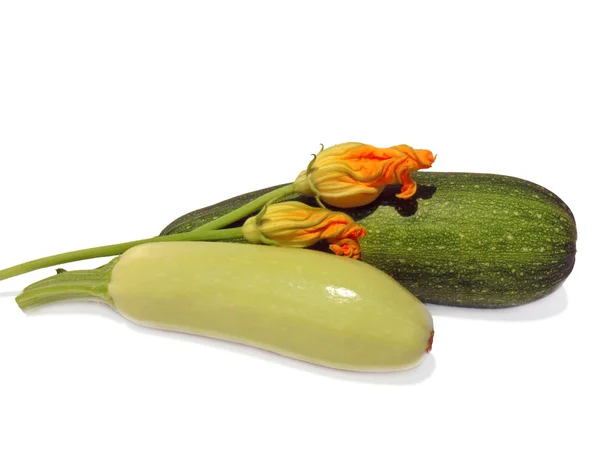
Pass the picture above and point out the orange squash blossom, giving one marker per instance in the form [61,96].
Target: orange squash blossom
[295,224]
[354,174]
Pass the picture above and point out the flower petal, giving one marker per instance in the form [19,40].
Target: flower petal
[295,224]
[355,174]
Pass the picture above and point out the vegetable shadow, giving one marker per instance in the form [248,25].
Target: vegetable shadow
[405,208]
[10,294]
[406,377]
[549,306]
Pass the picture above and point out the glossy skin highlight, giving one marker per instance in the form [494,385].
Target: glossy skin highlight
[324,309]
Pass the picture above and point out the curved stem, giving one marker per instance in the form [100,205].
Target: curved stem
[116,249]
[208,232]
[66,285]
[248,208]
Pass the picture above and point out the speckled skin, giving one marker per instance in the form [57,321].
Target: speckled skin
[464,239]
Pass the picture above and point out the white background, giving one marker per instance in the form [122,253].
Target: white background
[118,116]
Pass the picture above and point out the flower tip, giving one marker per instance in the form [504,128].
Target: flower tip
[362,232]
[346,247]
[426,158]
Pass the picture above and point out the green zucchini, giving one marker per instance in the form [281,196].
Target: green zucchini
[464,239]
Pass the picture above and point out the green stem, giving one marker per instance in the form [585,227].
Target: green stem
[66,285]
[116,249]
[248,208]
[210,231]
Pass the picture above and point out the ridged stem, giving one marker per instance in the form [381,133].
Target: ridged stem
[68,285]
